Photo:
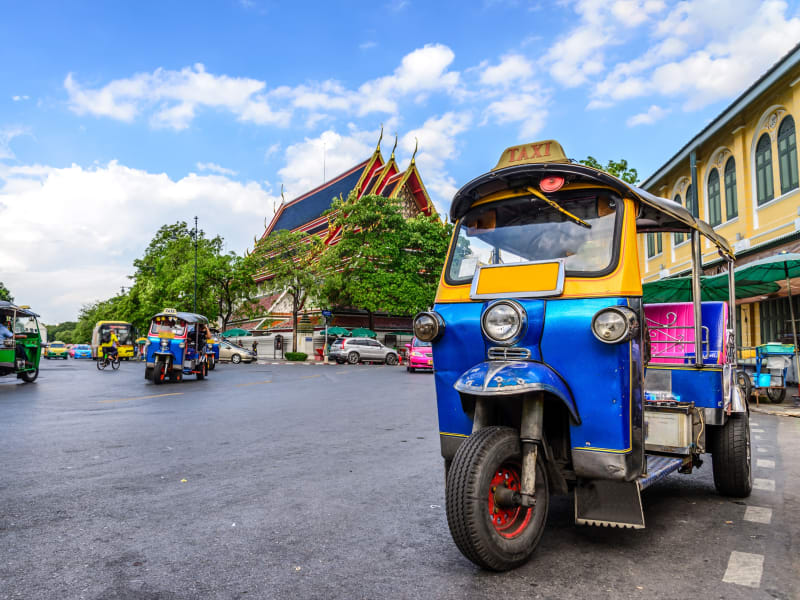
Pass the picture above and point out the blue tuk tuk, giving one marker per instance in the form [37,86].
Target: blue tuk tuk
[176,346]
[552,376]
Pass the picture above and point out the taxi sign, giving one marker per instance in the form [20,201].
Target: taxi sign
[548,151]
[170,311]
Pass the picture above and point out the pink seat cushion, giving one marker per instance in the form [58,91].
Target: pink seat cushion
[676,343]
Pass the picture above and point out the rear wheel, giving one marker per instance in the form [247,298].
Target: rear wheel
[733,475]
[410,369]
[353,358]
[744,383]
[775,395]
[391,359]
[212,363]
[29,376]
[493,535]
[115,363]
[203,371]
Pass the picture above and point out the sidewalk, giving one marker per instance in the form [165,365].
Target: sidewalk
[787,409]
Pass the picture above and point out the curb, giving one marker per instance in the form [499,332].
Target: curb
[776,412]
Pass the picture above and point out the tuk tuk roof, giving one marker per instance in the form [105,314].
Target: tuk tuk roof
[183,316]
[655,214]
[5,305]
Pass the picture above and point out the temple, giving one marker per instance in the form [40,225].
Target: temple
[374,175]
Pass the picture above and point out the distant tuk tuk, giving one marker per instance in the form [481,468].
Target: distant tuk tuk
[20,342]
[212,350]
[176,347]
[552,376]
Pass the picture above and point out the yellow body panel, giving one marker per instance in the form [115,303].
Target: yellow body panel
[624,280]
[518,278]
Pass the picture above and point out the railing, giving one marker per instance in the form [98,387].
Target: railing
[670,341]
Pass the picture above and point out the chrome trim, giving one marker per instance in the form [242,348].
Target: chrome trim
[697,297]
[557,291]
[505,353]
[522,315]
[437,318]
[630,318]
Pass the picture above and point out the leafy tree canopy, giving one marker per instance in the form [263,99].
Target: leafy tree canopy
[5,294]
[617,168]
[384,261]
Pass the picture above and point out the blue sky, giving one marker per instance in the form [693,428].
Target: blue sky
[116,119]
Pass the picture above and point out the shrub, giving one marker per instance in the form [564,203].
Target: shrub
[296,356]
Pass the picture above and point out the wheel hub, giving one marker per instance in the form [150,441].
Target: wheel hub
[508,517]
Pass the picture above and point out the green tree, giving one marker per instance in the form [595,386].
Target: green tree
[231,280]
[5,294]
[290,261]
[617,168]
[384,261]
[64,332]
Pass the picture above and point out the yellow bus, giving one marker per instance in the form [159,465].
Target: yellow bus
[101,338]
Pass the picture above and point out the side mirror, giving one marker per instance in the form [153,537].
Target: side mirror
[408,346]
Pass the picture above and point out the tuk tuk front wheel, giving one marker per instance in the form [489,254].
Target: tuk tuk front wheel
[212,363]
[29,376]
[731,456]
[160,372]
[494,536]
[202,372]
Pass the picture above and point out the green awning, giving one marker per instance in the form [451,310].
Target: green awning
[338,331]
[679,289]
[235,333]
[363,332]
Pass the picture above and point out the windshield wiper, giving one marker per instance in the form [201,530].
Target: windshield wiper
[574,219]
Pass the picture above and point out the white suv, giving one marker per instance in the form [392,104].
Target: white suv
[355,350]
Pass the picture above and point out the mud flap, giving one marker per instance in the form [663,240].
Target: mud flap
[609,504]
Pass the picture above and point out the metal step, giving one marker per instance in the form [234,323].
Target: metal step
[658,467]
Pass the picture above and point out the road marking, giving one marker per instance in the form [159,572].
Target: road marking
[754,424]
[764,484]
[762,450]
[757,430]
[758,437]
[311,376]
[758,514]
[744,569]
[253,383]
[141,397]
[766,463]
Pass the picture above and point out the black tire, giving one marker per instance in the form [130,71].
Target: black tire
[160,373]
[203,372]
[744,383]
[101,364]
[340,361]
[115,363]
[731,456]
[469,492]
[776,395]
[236,359]
[391,359]
[175,376]
[410,369]
[148,373]
[353,358]
[212,363]
[29,376]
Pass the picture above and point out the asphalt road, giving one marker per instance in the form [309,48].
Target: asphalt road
[295,481]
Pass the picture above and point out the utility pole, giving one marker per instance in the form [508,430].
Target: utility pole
[195,264]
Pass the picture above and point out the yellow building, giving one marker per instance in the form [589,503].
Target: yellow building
[740,174]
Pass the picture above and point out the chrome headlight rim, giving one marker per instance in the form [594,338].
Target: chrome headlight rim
[628,316]
[437,326]
[522,322]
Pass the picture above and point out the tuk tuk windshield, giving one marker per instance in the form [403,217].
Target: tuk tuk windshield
[527,229]
[168,325]
[26,326]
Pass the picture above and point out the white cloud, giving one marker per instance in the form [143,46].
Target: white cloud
[20,98]
[120,208]
[174,96]
[6,135]
[215,168]
[511,68]
[650,116]
[367,45]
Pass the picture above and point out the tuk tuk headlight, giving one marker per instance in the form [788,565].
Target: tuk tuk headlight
[504,322]
[615,324]
[428,326]
[164,344]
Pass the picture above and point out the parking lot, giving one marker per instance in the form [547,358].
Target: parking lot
[313,481]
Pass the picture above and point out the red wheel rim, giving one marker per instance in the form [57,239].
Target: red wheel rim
[508,522]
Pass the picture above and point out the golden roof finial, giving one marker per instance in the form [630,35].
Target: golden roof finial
[282,198]
[378,147]
[416,147]
[395,146]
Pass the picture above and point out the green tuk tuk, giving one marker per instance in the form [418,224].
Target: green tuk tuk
[20,342]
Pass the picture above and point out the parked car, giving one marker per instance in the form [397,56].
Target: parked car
[82,351]
[56,350]
[420,355]
[355,350]
[229,352]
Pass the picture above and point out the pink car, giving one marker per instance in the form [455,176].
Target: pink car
[420,355]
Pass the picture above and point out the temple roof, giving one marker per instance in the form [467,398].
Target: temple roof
[311,205]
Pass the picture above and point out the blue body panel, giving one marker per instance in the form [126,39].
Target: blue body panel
[701,386]
[174,349]
[596,375]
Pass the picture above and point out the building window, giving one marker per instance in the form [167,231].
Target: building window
[764,191]
[714,208]
[691,204]
[677,238]
[787,155]
[654,244]
[731,207]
